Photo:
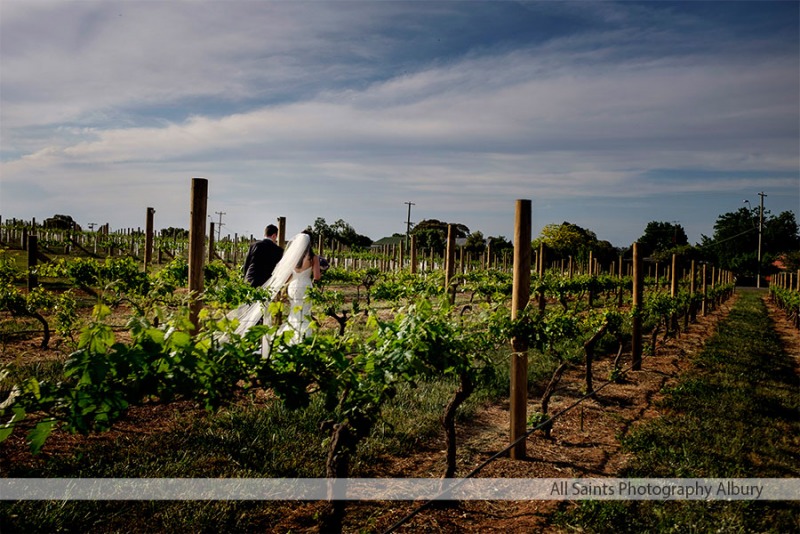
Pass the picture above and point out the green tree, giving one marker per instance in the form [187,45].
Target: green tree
[476,243]
[175,233]
[567,239]
[734,245]
[340,231]
[662,237]
[432,233]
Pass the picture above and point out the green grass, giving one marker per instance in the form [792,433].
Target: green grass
[735,415]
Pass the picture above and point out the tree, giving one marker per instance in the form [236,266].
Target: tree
[567,239]
[661,237]
[475,244]
[432,234]
[734,245]
[175,233]
[499,245]
[340,231]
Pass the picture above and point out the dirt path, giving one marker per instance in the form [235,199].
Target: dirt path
[584,443]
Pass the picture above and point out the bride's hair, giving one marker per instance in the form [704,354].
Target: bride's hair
[309,253]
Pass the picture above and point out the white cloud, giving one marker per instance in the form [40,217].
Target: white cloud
[274,96]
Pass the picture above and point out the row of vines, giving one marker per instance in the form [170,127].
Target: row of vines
[376,331]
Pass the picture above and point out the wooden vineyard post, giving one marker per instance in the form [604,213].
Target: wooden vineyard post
[211,242]
[148,238]
[282,232]
[413,254]
[519,300]
[673,289]
[636,321]
[692,291]
[705,292]
[197,239]
[401,260]
[450,264]
[540,273]
[33,254]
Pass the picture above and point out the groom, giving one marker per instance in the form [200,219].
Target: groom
[262,257]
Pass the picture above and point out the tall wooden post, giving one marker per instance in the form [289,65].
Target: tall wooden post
[413,251]
[540,273]
[519,300]
[33,254]
[705,291]
[673,290]
[636,326]
[673,284]
[282,232]
[450,263]
[401,260]
[692,291]
[211,242]
[148,238]
[197,241]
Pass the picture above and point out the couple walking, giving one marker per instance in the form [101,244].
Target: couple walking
[270,267]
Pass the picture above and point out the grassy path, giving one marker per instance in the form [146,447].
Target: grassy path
[735,414]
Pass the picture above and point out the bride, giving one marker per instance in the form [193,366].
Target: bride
[299,267]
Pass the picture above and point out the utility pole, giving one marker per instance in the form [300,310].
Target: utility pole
[408,222]
[760,226]
[220,225]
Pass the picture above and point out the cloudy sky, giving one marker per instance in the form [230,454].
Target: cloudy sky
[607,115]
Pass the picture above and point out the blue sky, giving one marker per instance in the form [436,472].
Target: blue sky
[605,114]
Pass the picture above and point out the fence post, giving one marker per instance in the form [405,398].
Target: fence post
[540,272]
[148,238]
[519,300]
[211,242]
[413,251]
[33,253]
[705,292]
[197,239]
[636,326]
[282,232]
[450,263]
[692,291]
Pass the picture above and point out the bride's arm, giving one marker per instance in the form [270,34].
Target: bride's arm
[315,265]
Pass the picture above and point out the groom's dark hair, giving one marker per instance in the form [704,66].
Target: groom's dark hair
[271,229]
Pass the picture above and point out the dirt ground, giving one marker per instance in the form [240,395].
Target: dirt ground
[584,443]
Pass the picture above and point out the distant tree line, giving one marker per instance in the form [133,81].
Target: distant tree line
[734,245]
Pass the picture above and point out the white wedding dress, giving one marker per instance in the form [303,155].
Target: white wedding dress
[299,318]
[296,283]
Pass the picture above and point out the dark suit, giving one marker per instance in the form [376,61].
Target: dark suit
[262,257]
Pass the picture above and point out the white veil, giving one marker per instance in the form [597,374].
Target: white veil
[250,314]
